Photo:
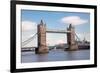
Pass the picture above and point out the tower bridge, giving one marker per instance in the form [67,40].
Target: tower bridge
[41,32]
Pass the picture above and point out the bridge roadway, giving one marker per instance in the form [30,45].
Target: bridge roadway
[28,48]
[56,31]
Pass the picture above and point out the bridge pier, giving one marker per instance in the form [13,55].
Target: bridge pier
[72,44]
[42,47]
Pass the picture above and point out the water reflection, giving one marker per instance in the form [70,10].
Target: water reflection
[42,57]
[55,55]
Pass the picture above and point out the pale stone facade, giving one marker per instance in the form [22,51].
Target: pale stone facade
[72,44]
[42,47]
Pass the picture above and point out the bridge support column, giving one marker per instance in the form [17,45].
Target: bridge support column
[72,44]
[42,47]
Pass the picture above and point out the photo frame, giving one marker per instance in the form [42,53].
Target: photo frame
[24,10]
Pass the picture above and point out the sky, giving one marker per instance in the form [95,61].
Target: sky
[54,20]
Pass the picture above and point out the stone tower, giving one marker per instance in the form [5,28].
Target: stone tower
[42,47]
[72,44]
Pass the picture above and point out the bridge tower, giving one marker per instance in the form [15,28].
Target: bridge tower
[72,44]
[42,47]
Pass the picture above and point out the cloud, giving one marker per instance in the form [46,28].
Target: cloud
[75,20]
[28,25]
[29,28]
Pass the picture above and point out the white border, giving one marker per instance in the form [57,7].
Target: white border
[20,65]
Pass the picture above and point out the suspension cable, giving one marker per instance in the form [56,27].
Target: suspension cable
[28,40]
[77,37]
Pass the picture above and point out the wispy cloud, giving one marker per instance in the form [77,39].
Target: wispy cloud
[75,20]
[28,25]
[29,28]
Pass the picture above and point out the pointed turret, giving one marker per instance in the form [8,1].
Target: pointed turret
[70,26]
[41,22]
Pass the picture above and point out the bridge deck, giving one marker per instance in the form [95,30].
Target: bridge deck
[56,31]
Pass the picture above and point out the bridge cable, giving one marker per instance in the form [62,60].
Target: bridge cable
[77,37]
[28,40]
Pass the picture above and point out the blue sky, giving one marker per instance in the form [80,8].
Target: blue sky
[53,20]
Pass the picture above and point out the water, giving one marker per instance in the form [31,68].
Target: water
[55,55]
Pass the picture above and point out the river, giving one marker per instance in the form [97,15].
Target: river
[55,55]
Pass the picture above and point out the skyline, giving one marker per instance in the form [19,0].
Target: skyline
[54,20]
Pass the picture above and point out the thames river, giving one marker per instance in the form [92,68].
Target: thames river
[55,55]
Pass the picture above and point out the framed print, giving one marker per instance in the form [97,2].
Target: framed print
[52,36]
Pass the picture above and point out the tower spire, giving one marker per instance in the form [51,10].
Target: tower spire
[70,25]
[41,22]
